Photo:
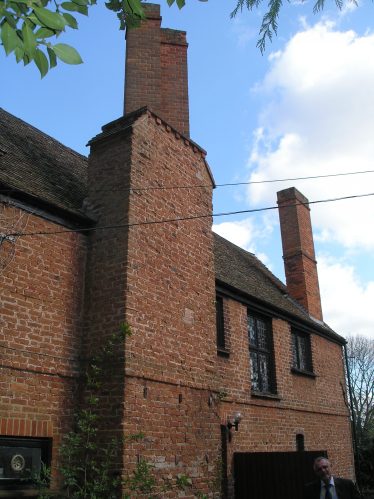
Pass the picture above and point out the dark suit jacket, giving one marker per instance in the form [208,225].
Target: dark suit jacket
[345,489]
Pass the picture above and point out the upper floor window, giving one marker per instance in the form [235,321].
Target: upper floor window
[220,323]
[261,354]
[301,351]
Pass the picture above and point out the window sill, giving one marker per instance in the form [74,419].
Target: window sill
[299,372]
[263,395]
[223,352]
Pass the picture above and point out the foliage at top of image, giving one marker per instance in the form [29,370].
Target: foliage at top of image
[29,28]
[269,25]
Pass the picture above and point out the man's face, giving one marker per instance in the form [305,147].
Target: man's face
[322,469]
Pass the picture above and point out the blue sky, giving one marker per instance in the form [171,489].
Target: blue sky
[306,107]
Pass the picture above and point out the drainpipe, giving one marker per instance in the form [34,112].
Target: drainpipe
[353,416]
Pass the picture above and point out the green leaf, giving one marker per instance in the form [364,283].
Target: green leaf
[26,59]
[67,54]
[71,6]
[52,58]
[16,7]
[170,2]
[181,3]
[114,5]
[74,7]
[134,7]
[81,2]
[29,41]
[44,33]
[9,38]
[19,53]
[32,17]
[52,20]
[72,22]
[10,19]
[82,9]
[42,62]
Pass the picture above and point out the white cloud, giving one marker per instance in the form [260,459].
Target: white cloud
[347,302]
[246,233]
[319,120]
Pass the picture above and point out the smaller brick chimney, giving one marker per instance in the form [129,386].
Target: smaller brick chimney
[298,250]
[156,70]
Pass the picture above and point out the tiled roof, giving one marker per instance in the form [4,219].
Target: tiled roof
[245,273]
[39,166]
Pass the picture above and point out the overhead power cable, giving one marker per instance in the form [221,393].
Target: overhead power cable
[228,184]
[181,219]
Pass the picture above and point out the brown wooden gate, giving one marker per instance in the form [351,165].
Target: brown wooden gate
[273,475]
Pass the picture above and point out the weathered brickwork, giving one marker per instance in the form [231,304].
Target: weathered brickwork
[161,282]
[156,71]
[312,406]
[41,302]
[298,250]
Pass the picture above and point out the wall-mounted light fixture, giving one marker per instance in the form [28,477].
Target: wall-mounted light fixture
[233,422]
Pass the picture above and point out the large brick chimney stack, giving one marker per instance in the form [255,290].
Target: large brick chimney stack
[156,71]
[298,250]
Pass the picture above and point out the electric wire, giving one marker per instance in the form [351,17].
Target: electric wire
[181,219]
[227,184]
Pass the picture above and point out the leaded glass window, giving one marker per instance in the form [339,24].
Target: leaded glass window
[301,351]
[261,354]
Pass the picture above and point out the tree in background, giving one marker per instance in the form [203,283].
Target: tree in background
[360,352]
[28,28]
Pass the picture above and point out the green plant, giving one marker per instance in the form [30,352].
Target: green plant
[87,459]
[200,495]
[41,481]
[221,395]
[141,480]
[183,481]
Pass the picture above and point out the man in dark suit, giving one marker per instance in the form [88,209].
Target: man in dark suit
[327,486]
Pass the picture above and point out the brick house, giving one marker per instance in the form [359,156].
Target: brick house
[214,332]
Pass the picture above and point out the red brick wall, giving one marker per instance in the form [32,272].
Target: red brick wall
[314,407]
[298,250]
[174,80]
[162,284]
[167,381]
[156,70]
[160,279]
[41,319]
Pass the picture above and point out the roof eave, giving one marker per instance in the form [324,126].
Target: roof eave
[269,308]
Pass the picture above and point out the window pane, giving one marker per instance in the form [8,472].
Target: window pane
[254,372]
[262,336]
[220,324]
[295,362]
[264,372]
[303,353]
[261,354]
[252,331]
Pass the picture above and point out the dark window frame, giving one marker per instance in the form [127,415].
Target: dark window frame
[301,350]
[267,384]
[220,326]
[44,444]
